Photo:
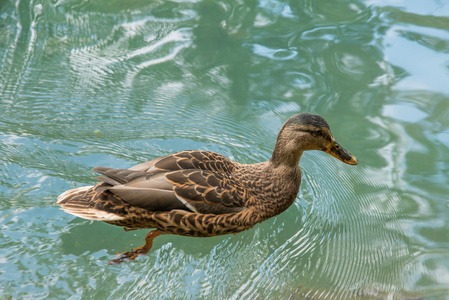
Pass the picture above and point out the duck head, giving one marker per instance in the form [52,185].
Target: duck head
[307,132]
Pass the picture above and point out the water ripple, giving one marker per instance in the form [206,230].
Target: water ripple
[87,83]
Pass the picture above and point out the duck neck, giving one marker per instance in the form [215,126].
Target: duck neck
[286,153]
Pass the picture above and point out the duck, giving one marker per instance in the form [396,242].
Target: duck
[201,193]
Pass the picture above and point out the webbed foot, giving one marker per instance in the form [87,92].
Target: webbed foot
[134,253]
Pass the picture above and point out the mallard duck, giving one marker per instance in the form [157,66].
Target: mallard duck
[203,193]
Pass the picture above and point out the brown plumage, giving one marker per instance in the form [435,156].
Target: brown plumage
[202,193]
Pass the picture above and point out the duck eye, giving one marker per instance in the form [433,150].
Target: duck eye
[317,133]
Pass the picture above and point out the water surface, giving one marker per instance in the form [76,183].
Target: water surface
[113,83]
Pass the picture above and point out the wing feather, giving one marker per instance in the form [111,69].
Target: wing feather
[204,160]
[188,180]
[208,187]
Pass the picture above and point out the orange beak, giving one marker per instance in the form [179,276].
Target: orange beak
[340,153]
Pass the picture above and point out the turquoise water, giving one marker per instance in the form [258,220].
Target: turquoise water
[116,83]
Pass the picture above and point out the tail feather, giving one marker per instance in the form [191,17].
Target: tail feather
[68,195]
[77,203]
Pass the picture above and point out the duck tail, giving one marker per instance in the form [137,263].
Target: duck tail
[74,196]
[78,203]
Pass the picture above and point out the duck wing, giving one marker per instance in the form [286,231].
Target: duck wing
[198,181]
[149,191]
[203,160]
[208,192]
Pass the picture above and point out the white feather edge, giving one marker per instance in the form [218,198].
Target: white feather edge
[72,191]
[92,214]
[186,203]
[86,212]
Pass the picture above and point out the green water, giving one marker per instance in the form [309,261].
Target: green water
[116,83]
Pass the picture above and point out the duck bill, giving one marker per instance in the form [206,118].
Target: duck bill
[340,153]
